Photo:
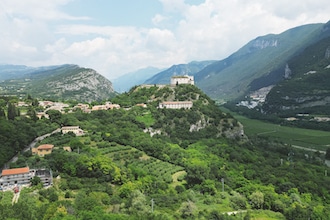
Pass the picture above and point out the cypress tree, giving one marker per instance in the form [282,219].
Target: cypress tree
[11,111]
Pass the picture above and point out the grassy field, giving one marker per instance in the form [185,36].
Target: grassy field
[319,140]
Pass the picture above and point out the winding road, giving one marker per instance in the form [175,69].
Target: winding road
[31,145]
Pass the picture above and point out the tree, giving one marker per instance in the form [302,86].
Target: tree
[188,209]
[55,116]
[327,155]
[32,113]
[2,113]
[35,181]
[12,113]
[138,203]
[257,199]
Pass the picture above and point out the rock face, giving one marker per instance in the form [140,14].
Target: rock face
[260,43]
[85,85]
[66,82]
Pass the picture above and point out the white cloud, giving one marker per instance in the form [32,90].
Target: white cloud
[38,32]
[158,19]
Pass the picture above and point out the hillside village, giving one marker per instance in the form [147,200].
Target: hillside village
[12,179]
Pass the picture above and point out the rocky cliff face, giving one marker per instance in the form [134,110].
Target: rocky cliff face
[66,82]
[262,43]
[85,85]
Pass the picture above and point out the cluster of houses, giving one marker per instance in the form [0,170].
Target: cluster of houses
[62,107]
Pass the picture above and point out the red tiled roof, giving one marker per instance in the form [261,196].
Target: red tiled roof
[15,171]
[45,147]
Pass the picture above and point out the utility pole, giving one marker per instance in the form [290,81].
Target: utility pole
[152,205]
[223,184]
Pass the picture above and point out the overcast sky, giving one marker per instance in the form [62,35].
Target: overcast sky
[120,36]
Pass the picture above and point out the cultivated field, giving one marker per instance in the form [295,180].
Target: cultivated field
[319,140]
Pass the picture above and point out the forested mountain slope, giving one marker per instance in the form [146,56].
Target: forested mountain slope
[307,89]
[259,63]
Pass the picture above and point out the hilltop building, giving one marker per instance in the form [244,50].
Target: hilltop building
[176,105]
[176,80]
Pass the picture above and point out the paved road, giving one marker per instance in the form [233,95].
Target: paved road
[31,145]
[308,149]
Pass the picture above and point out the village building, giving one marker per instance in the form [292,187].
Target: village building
[99,107]
[176,105]
[46,103]
[16,176]
[46,176]
[84,107]
[143,105]
[23,176]
[22,104]
[67,148]
[74,129]
[42,114]
[107,106]
[176,80]
[42,150]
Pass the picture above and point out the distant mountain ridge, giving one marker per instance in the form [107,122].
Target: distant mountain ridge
[8,71]
[259,63]
[65,82]
[191,68]
[127,81]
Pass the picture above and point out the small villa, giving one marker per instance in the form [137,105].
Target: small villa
[42,150]
[176,105]
[74,129]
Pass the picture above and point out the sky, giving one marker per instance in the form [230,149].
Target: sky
[115,37]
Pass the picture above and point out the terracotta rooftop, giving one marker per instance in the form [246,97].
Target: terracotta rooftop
[15,171]
[45,147]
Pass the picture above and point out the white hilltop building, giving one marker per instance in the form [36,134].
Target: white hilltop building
[176,80]
[176,105]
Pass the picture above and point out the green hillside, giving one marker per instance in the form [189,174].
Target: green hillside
[118,170]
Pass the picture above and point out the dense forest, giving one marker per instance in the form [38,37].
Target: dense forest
[119,170]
